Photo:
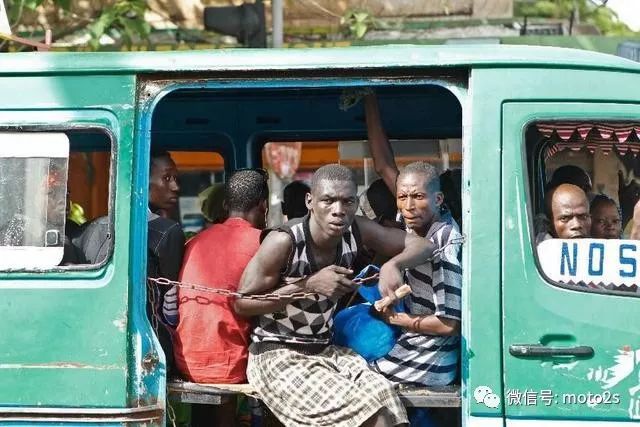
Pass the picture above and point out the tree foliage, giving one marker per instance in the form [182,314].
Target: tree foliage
[121,19]
[588,11]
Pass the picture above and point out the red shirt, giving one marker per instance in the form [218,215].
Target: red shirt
[211,342]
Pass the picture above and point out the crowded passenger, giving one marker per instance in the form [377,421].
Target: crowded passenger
[605,218]
[297,373]
[211,340]
[293,200]
[571,174]
[212,204]
[427,351]
[568,212]
[379,205]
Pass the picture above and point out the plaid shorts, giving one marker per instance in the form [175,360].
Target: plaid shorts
[333,387]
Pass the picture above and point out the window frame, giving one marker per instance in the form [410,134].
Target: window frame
[533,156]
[113,145]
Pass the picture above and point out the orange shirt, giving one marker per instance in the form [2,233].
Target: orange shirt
[211,341]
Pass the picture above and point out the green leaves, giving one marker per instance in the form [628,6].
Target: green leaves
[125,19]
[357,22]
[589,12]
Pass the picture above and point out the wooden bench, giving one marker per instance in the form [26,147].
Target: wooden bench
[216,394]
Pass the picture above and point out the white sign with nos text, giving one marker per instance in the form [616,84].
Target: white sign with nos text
[591,261]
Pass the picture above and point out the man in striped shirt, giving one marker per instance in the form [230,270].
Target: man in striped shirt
[427,351]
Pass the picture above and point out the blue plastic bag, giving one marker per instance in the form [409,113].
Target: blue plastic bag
[357,328]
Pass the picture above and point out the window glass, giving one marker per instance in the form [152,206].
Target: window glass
[583,194]
[33,189]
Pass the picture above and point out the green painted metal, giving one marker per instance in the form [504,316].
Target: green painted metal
[79,331]
[363,58]
[535,311]
[65,340]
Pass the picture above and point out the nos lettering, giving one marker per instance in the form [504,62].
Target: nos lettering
[624,260]
[565,258]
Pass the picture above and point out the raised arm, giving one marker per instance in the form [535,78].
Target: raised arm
[264,273]
[383,159]
[406,250]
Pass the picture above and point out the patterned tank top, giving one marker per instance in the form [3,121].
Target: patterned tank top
[306,321]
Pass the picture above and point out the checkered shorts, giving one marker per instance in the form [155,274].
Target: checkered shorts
[334,387]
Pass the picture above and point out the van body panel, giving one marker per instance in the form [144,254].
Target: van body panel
[536,311]
[481,293]
[355,58]
[68,345]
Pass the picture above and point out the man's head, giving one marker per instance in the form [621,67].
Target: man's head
[333,201]
[294,199]
[212,203]
[247,195]
[163,182]
[383,203]
[418,196]
[568,210]
[570,174]
[605,218]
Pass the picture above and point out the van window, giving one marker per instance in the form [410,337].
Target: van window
[53,185]
[199,174]
[582,192]
[32,199]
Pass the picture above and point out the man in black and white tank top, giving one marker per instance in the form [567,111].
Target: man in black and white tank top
[297,373]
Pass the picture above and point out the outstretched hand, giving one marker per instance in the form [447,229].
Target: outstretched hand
[332,282]
[390,279]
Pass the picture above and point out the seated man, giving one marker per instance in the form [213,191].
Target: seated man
[165,242]
[427,351]
[293,200]
[212,341]
[568,212]
[605,218]
[296,372]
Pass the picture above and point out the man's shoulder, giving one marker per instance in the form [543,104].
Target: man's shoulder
[162,224]
[221,234]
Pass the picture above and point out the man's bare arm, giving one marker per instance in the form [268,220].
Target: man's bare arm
[263,275]
[406,250]
[383,159]
[431,325]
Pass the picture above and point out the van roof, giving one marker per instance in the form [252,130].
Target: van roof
[369,57]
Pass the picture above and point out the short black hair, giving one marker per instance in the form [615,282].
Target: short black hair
[570,174]
[602,199]
[246,189]
[428,171]
[157,155]
[332,172]
[293,199]
[382,200]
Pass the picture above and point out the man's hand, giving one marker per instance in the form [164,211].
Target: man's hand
[390,279]
[388,315]
[331,281]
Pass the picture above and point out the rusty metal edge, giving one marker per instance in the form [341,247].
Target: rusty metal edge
[90,415]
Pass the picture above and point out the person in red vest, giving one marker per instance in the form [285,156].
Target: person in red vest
[211,341]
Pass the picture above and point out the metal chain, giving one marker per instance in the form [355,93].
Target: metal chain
[163,281]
